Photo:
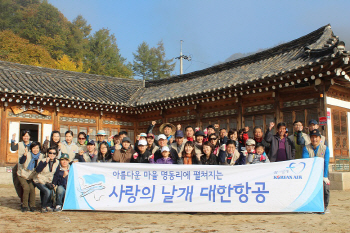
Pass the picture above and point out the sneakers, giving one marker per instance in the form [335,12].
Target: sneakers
[24,209]
[58,208]
[49,209]
[32,209]
[43,210]
[327,211]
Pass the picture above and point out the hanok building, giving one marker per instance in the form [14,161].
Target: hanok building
[304,79]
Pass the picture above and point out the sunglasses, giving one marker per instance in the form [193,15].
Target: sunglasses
[51,153]
[81,138]
[213,139]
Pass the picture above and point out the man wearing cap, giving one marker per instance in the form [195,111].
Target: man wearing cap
[151,146]
[142,155]
[125,153]
[90,155]
[163,142]
[167,129]
[101,137]
[141,136]
[305,140]
[298,128]
[317,149]
[179,143]
[60,179]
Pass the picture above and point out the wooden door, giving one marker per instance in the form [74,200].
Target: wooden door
[340,133]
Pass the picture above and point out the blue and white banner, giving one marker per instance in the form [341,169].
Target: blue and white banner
[290,186]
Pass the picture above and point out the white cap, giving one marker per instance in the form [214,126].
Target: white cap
[142,143]
[165,148]
[143,135]
[250,142]
[162,136]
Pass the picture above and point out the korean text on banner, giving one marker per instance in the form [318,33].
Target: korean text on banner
[290,186]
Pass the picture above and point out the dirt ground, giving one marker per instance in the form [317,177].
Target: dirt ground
[13,220]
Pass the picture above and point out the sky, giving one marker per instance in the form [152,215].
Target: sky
[211,30]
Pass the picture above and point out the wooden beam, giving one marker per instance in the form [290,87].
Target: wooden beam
[3,136]
[240,113]
[277,106]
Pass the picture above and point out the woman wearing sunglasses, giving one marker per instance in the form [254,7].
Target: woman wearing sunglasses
[43,180]
[213,139]
[82,142]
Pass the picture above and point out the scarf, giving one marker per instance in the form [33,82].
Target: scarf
[258,140]
[28,145]
[31,164]
[188,159]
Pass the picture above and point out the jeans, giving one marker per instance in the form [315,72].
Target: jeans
[60,193]
[45,194]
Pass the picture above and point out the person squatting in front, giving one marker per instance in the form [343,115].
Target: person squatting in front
[60,179]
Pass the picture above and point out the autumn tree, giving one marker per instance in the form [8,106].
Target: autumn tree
[19,50]
[66,63]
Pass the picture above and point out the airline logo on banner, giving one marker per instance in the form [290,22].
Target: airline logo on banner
[290,186]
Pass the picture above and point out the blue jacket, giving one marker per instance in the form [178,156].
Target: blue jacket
[326,158]
[58,178]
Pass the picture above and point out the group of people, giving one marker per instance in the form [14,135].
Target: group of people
[46,167]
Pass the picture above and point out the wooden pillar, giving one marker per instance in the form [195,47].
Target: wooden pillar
[56,119]
[240,113]
[277,106]
[198,118]
[4,136]
[323,106]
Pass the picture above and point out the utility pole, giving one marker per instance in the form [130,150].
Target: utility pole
[188,58]
[181,66]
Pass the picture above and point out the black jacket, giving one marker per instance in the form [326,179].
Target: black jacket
[141,158]
[211,161]
[273,140]
[58,178]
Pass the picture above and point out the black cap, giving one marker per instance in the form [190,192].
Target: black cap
[126,139]
[315,132]
[92,142]
[199,133]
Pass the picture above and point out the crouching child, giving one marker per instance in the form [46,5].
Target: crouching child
[256,154]
[60,179]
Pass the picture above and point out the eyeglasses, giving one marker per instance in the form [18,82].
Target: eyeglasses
[51,153]
[81,138]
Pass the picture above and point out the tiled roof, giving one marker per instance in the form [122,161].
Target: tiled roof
[38,81]
[309,49]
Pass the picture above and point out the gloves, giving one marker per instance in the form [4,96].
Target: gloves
[151,156]
[135,155]
[326,181]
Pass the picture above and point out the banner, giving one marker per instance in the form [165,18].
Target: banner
[290,186]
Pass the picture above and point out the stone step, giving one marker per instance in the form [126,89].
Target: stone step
[339,180]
